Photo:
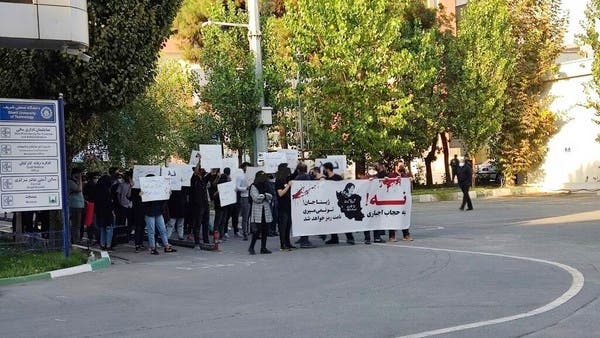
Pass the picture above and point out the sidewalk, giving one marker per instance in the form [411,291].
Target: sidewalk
[446,195]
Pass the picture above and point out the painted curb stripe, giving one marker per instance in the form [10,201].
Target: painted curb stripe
[24,279]
[71,271]
[101,263]
[576,286]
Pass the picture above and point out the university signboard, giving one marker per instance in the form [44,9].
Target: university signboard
[30,156]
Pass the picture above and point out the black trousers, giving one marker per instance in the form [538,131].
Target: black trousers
[349,237]
[285,227]
[262,230]
[221,220]
[200,220]
[466,198]
[234,213]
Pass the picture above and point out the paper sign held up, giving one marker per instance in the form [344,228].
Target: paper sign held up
[155,188]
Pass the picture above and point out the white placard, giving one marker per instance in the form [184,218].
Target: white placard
[211,156]
[291,156]
[231,163]
[273,160]
[251,173]
[327,207]
[155,188]
[30,170]
[142,171]
[183,171]
[319,163]
[340,164]
[171,175]
[227,194]
[194,158]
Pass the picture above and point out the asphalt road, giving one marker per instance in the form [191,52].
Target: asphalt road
[444,279]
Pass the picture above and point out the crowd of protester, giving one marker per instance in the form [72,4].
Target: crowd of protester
[104,205]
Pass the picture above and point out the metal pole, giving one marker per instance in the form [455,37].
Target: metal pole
[63,178]
[300,117]
[254,35]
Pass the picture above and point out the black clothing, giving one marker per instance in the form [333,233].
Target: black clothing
[103,201]
[334,237]
[153,209]
[465,175]
[466,198]
[137,212]
[177,204]
[284,202]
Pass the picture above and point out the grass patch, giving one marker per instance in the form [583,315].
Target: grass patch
[445,191]
[29,263]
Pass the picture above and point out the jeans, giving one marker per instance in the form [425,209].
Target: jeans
[106,234]
[159,223]
[285,226]
[178,222]
[245,212]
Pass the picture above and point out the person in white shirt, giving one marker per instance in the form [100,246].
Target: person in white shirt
[241,187]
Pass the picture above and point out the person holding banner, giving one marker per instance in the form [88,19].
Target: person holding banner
[331,176]
[199,204]
[302,175]
[260,216]
[221,212]
[153,215]
[283,186]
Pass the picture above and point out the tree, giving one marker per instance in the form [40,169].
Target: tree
[230,93]
[125,38]
[350,61]
[160,123]
[537,31]
[483,59]
[592,39]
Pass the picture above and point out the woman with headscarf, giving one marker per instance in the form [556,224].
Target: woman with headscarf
[260,216]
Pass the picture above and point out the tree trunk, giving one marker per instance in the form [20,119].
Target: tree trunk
[283,137]
[446,158]
[240,156]
[428,160]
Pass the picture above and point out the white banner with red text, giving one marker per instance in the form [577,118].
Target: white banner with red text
[327,207]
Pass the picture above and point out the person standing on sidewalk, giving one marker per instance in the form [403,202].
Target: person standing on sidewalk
[465,177]
[76,204]
[104,210]
[331,176]
[200,207]
[241,187]
[302,175]
[124,214]
[153,215]
[402,172]
[261,215]
[283,186]
[176,206]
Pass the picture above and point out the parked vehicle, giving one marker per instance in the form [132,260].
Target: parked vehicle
[488,172]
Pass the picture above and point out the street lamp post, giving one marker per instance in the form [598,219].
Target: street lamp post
[254,37]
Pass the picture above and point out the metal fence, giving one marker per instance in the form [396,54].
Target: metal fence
[14,243]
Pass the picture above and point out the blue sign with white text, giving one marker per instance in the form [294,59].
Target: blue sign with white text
[26,111]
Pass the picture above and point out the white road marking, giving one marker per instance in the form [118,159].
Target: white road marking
[576,286]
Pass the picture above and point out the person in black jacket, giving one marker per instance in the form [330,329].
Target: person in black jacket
[199,205]
[104,211]
[176,206]
[331,176]
[302,175]
[465,176]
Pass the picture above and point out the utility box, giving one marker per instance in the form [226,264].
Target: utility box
[44,24]
[266,116]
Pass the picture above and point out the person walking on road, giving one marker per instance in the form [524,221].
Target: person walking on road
[465,176]
[261,215]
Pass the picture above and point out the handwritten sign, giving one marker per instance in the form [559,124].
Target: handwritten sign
[273,160]
[291,157]
[183,173]
[227,194]
[340,164]
[142,171]
[251,173]
[155,188]
[30,171]
[325,207]
[194,158]
[212,156]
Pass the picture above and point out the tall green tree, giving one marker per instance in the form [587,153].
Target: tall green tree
[592,39]
[350,62]
[483,59]
[160,123]
[537,31]
[125,38]
[230,93]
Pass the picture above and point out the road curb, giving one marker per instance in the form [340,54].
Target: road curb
[102,263]
[488,193]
